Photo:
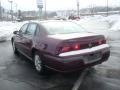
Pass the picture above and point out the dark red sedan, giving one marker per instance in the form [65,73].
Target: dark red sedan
[60,45]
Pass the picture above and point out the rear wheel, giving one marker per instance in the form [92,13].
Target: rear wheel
[40,68]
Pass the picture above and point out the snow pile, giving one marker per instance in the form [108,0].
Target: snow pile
[116,26]
[93,25]
[111,19]
[114,21]
[7,28]
[107,26]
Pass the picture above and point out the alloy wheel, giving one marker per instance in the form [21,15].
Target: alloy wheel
[38,63]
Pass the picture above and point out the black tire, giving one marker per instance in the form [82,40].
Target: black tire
[40,68]
[14,48]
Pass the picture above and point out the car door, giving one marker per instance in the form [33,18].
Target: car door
[19,37]
[28,38]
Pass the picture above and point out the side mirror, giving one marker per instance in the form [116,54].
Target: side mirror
[16,32]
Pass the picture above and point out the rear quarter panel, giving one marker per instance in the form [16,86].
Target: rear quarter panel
[46,44]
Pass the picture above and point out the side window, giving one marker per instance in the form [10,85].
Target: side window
[31,29]
[23,29]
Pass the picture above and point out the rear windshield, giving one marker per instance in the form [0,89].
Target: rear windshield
[62,28]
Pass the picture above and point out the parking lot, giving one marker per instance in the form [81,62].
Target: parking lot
[17,73]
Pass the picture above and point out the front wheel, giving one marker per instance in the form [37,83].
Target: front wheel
[14,48]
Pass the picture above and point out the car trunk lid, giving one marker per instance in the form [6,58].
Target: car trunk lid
[78,41]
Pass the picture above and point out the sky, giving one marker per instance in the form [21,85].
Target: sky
[53,5]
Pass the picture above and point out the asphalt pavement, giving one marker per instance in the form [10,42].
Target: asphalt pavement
[18,73]
[105,76]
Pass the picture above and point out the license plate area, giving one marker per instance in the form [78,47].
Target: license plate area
[93,57]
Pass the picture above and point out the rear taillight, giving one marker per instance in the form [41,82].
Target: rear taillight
[76,47]
[101,41]
[68,48]
[65,49]
[104,41]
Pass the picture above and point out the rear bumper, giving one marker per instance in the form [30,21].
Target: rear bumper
[75,62]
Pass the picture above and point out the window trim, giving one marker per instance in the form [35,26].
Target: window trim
[37,29]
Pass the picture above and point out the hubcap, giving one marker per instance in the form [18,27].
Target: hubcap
[37,63]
